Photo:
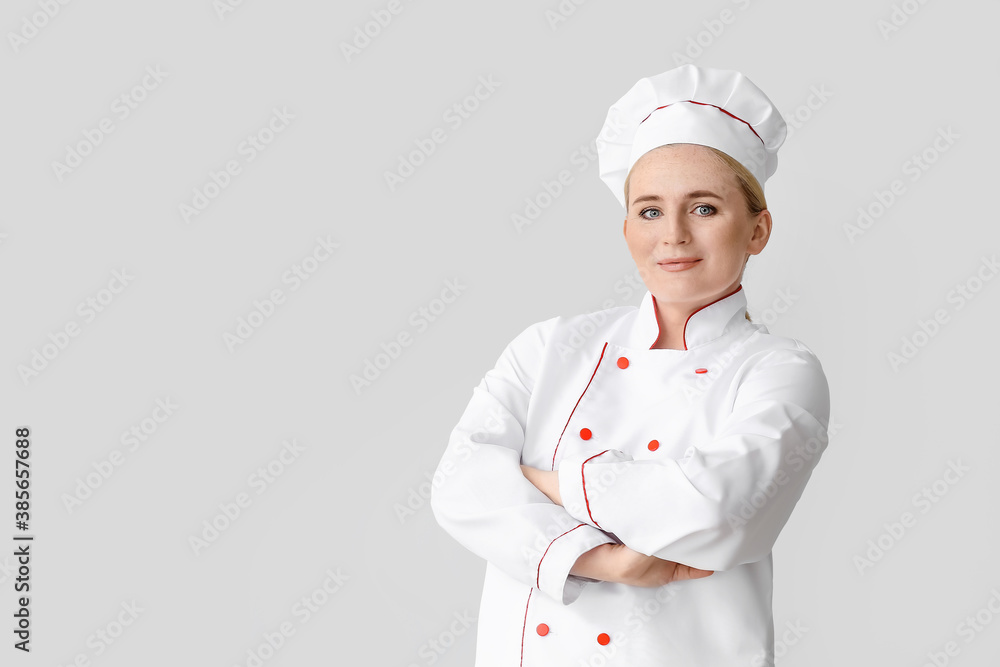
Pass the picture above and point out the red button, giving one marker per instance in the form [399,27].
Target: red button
[701,370]
[585,433]
[542,629]
[622,362]
[653,445]
[603,639]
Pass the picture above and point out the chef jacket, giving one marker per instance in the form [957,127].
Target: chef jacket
[696,456]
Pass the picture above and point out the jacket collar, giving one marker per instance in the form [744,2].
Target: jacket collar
[703,325]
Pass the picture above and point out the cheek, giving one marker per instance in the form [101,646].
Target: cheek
[638,244]
[732,239]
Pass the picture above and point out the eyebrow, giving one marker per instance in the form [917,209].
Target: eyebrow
[690,195]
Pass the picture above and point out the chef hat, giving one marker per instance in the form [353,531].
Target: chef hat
[691,105]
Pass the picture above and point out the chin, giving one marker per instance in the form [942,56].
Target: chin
[685,292]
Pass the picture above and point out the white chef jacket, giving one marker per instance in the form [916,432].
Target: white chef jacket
[695,456]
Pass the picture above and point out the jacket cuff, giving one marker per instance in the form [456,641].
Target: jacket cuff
[580,485]
[553,577]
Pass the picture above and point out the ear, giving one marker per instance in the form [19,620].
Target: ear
[761,232]
[625,228]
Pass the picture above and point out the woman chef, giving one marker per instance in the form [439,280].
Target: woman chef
[626,473]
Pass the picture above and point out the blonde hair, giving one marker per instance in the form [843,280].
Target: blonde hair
[753,193]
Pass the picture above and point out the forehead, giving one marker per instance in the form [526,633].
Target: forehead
[681,167]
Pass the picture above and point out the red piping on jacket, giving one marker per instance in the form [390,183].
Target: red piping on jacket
[523,627]
[538,584]
[706,104]
[577,403]
[583,479]
[538,576]
[684,331]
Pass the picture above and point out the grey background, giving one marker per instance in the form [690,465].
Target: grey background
[366,454]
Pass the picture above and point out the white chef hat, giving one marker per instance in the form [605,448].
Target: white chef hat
[691,105]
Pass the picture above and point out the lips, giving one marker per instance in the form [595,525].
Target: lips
[679,263]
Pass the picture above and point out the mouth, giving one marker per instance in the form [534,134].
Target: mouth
[679,264]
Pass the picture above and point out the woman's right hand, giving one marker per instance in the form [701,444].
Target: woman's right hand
[619,564]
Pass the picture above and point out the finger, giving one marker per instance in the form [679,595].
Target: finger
[688,572]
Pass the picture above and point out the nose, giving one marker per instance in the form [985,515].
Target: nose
[674,228]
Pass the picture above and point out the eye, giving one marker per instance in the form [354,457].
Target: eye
[704,209]
[643,212]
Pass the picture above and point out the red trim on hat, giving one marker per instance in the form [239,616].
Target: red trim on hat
[706,104]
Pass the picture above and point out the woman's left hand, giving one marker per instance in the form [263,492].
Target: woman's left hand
[546,481]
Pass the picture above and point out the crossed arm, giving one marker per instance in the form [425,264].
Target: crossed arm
[615,562]
[689,510]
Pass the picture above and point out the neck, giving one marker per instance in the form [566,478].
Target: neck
[671,316]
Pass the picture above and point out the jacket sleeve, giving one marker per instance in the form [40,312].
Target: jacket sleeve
[481,497]
[724,503]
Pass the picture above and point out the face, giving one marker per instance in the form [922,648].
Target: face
[686,204]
